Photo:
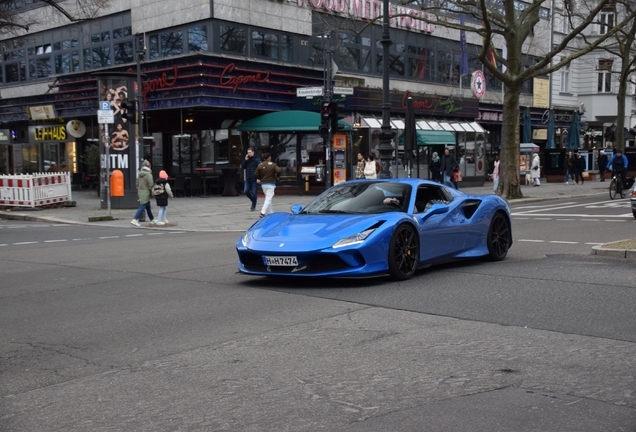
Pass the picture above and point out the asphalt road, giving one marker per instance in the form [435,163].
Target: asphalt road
[116,329]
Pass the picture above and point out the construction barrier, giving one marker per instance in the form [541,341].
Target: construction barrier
[32,190]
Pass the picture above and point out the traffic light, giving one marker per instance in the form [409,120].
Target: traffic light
[335,114]
[323,130]
[128,111]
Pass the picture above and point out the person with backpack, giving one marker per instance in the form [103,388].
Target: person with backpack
[161,191]
[144,191]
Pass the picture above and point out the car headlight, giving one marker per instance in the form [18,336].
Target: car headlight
[354,239]
[244,239]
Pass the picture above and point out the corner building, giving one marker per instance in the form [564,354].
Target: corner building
[207,67]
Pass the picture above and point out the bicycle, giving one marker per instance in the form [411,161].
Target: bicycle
[617,187]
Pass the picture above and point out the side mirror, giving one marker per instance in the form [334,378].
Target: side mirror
[435,210]
[296,208]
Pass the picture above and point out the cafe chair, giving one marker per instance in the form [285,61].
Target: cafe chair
[195,184]
[179,185]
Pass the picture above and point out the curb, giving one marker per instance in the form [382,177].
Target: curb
[604,250]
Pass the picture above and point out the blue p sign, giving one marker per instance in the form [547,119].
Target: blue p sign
[104,105]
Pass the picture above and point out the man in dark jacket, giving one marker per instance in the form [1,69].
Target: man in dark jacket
[602,164]
[579,167]
[250,164]
[449,163]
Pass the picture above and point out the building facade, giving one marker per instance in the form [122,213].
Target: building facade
[208,66]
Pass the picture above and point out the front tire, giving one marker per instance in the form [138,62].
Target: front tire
[404,252]
[612,188]
[623,191]
[498,237]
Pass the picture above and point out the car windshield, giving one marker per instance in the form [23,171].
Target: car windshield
[362,198]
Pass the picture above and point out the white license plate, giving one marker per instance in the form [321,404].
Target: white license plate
[280,261]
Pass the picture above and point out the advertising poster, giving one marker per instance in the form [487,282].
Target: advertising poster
[117,149]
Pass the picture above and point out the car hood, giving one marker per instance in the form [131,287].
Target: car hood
[313,228]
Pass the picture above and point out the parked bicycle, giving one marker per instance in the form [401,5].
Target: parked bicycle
[618,187]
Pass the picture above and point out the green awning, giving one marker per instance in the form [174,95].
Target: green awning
[286,121]
[428,137]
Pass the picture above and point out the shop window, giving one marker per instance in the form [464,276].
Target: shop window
[232,39]
[87,59]
[171,44]
[286,48]
[40,68]
[284,154]
[198,39]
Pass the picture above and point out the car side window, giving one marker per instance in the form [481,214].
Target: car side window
[428,195]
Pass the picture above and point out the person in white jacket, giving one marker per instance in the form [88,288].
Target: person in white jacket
[370,168]
[535,170]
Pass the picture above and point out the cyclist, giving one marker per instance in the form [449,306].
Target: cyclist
[618,164]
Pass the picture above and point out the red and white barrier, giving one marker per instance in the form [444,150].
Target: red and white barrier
[32,190]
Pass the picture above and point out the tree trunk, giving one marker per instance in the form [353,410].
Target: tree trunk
[619,136]
[509,185]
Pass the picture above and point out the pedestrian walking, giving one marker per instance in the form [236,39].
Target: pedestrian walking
[371,168]
[535,170]
[602,164]
[579,167]
[447,168]
[436,163]
[360,166]
[266,175]
[162,192]
[495,174]
[568,165]
[250,188]
[144,188]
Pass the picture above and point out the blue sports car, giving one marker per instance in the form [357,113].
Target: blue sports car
[366,228]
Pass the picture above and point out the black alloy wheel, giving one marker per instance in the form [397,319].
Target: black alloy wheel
[498,237]
[404,252]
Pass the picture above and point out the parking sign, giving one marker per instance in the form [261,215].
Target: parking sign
[104,105]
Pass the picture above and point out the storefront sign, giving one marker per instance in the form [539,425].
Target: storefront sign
[402,17]
[159,83]
[43,112]
[47,133]
[478,84]
[490,116]
[5,136]
[541,93]
[233,81]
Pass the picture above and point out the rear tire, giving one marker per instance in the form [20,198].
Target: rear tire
[498,237]
[404,252]
[612,189]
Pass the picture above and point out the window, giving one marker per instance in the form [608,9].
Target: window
[606,19]
[171,44]
[232,39]
[565,78]
[198,39]
[605,76]
[565,23]
[264,44]
[124,52]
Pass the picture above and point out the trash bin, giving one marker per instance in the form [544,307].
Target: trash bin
[320,173]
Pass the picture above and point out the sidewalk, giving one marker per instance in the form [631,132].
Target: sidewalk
[232,214]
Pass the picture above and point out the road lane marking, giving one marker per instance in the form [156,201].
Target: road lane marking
[562,242]
[575,215]
[157,233]
[80,239]
[25,243]
[610,220]
[542,218]
[563,206]
[54,241]
[176,232]
[533,241]
[134,235]
[562,220]
[594,244]
[109,237]
[545,206]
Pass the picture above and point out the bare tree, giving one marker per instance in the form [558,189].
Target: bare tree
[515,23]
[16,19]
[621,46]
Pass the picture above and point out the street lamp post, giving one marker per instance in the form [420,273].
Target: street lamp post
[386,134]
